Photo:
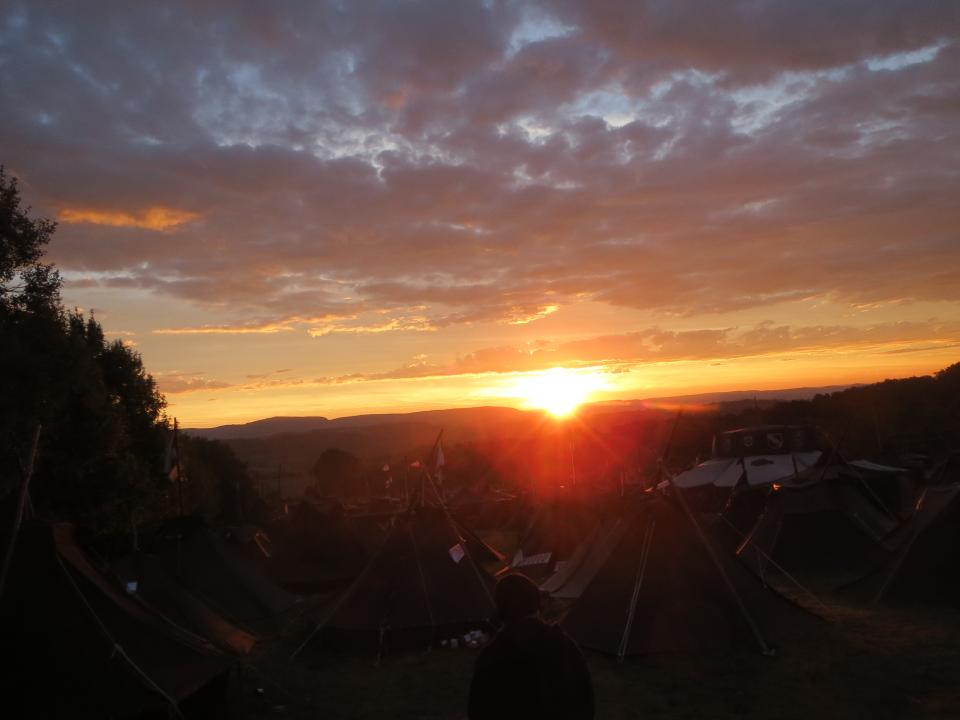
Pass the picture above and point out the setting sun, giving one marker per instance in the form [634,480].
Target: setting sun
[559,391]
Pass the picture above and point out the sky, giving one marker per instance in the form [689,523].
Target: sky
[332,208]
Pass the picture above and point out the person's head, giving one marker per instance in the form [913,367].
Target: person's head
[517,598]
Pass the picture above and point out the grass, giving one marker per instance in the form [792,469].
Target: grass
[876,664]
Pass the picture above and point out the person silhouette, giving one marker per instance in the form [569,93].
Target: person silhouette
[531,669]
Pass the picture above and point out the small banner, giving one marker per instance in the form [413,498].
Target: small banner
[456,553]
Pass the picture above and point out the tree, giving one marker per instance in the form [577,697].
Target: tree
[100,459]
[218,484]
[25,282]
[338,473]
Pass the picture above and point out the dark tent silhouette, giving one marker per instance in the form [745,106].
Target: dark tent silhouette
[666,587]
[574,575]
[926,567]
[558,528]
[422,585]
[230,583]
[80,647]
[312,550]
[145,577]
[829,528]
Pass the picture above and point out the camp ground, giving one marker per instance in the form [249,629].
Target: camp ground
[755,553]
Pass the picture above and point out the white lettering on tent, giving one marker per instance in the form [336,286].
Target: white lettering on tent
[457,553]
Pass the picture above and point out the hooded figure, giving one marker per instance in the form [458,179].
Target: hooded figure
[531,670]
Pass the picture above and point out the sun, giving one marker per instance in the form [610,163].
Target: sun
[559,391]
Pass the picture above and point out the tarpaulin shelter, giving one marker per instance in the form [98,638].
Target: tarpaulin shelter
[78,646]
[421,586]
[926,567]
[756,456]
[666,587]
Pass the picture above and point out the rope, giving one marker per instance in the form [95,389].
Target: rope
[117,649]
[726,578]
[641,572]
[776,566]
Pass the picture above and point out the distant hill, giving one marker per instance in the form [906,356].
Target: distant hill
[723,398]
[479,417]
[456,417]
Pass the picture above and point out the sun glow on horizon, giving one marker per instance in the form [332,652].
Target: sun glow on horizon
[559,391]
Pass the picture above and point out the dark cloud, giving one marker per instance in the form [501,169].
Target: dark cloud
[438,163]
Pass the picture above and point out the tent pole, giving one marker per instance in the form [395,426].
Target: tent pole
[726,578]
[641,571]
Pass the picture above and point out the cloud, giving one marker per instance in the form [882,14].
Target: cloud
[415,324]
[174,383]
[154,218]
[618,353]
[265,329]
[435,164]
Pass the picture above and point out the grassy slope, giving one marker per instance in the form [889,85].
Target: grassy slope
[875,664]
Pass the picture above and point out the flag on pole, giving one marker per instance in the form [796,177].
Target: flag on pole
[440,463]
[171,464]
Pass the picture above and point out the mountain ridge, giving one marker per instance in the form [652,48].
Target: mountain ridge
[286,424]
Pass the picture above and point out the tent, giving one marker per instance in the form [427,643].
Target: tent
[926,567]
[574,575]
[80,647]
[422,585]
[489,510]
[218,573]
[143,577]
[559,527]
[666,587]
[313,551]
[830,528]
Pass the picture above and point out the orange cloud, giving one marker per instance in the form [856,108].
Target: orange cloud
[265,329]
[417,324]
[153,218]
